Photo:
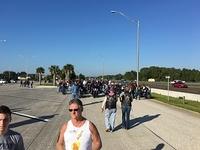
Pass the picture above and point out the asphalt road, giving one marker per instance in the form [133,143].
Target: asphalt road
[41,103]
[153,125]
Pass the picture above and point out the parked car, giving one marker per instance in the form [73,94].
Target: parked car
[2,81]
[180,84]
[12,81]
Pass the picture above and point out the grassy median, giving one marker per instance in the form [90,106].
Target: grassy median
[179,102]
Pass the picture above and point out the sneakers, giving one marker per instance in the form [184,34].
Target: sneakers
[110,130]
[107,130]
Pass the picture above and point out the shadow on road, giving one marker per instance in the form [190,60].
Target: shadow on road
[85,95]
[137,121]
[89,95]
[96,102]
[30,121]
[19,109]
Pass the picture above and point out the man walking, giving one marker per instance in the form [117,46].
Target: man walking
[126,99]
[75,90]
[110,106]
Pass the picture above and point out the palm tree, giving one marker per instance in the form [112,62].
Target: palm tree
[68,70]
[54,70]
[40,71]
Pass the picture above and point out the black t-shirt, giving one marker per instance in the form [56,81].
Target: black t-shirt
[11,141]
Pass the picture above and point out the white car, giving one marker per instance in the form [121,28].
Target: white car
[2,81]
[12,81]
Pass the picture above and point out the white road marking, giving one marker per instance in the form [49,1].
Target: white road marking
[30,116]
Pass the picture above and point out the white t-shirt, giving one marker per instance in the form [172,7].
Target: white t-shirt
[78,138]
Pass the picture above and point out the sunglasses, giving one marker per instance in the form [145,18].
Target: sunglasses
[73,110]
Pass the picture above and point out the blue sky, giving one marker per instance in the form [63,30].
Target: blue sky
[84,33]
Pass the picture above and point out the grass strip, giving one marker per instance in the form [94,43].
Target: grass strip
[179,102]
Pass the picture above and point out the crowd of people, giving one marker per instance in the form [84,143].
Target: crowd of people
[26,83]
[78,132]
[80,88]
[113,92]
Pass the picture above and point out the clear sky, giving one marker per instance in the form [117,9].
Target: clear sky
[84,33]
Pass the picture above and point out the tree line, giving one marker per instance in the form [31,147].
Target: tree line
[159,74]
[68,73]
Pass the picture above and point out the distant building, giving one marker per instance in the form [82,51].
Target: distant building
[24,78]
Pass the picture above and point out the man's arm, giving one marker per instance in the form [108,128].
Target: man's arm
[121,96]
[96,139]
[21,143]
[60,139]
[103,103]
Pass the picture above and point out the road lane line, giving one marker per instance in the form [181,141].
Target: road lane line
[30,116]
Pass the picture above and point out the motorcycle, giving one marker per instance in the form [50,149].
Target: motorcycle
[95,92]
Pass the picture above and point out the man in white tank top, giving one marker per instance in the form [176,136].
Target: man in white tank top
[78,133]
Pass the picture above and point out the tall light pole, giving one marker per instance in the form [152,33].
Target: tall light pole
[137,39]
[103,70]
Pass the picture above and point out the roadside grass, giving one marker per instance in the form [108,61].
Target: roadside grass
[179,102]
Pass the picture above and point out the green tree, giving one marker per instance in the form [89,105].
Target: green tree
[54,70]
[40,71]
[132,75]
[22,74]
[68,70]
[9,75]
[81,76]
[1,75]
[118,76]
[159,74]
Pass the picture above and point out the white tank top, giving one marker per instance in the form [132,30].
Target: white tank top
[78,138]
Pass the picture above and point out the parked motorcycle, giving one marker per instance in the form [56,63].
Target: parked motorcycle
[146,92]
[95,92]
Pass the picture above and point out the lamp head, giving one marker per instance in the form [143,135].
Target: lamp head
[112,11]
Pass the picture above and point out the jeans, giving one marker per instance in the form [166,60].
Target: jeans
[126,116]
[75,96]
[110,118]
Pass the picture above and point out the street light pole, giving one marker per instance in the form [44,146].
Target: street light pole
[138,59]
[137,39]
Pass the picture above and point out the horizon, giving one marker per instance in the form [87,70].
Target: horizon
[105,74]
